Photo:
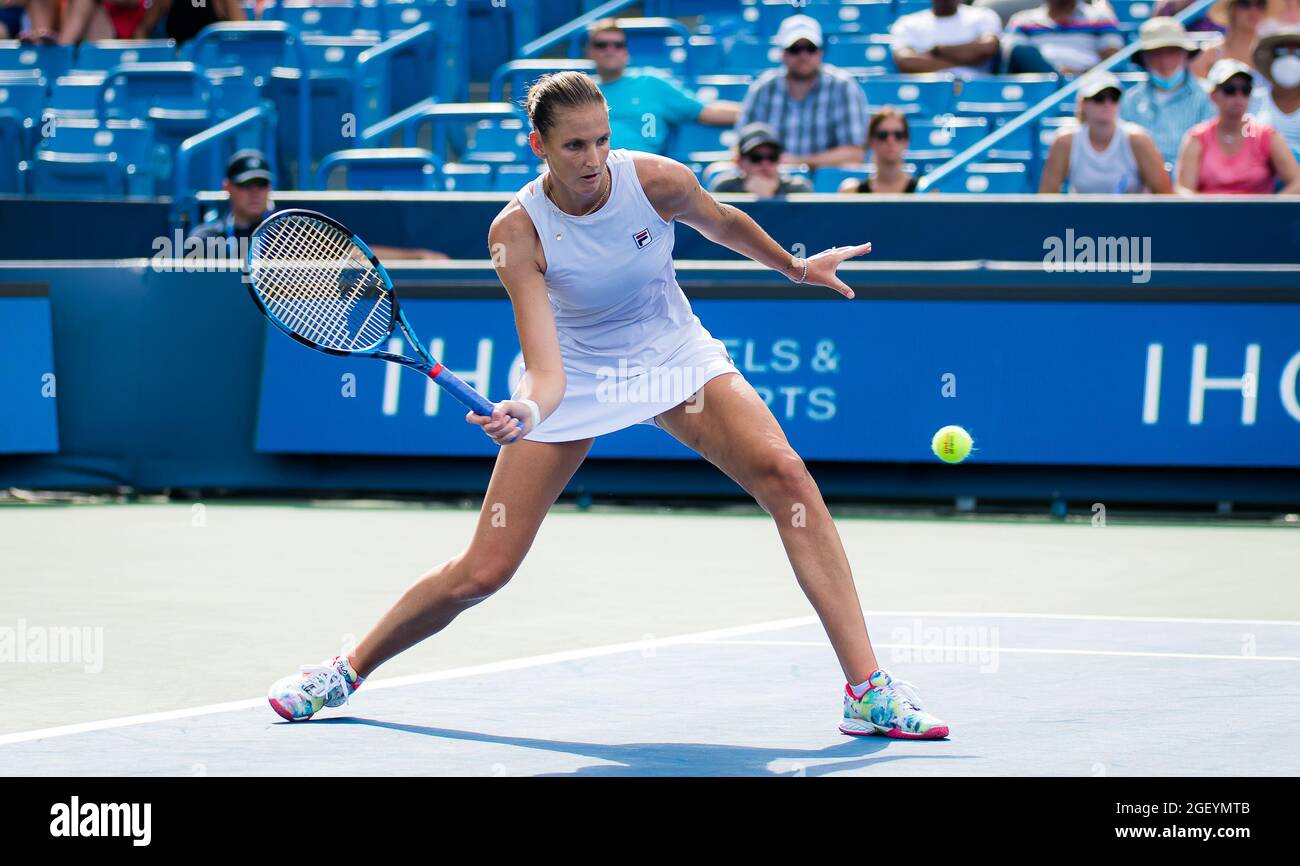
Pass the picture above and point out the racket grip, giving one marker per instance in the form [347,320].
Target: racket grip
[464,393]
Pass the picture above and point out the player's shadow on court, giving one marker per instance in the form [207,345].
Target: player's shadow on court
[690,759]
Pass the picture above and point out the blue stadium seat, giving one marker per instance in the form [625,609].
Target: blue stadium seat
[22,102]
[1133,11]
[829,178]
[750,56]
[330,62]
[1020,146]
[711,88]
[861,53]
[321,18]
[382,169]
[176,97]
[92,157]
[51,60]
[925,95]
[852,16]
[988,178]
[104,55]
[499,141]
[1005,96]
[704,55]
[76,95]
[692,138]
[257,47]
[948,133]
[467,177]
[334,55]
[840,16]
[510,178]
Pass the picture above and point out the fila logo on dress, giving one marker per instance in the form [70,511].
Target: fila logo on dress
[642,238]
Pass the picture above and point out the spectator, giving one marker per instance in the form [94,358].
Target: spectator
[1063,36]
[888,136]
[949,36]
[1242,19]
[185,19]
[1204,24]
[817,110]
[1234,153]
[758,153]
[248,184]
[1282,15]
[1104,155]
[1171,101]
[643,108]
[1277,57]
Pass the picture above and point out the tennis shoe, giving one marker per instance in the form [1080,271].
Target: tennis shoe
[300,696]
[890,707]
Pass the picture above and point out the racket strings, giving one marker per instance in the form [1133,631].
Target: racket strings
[320,285]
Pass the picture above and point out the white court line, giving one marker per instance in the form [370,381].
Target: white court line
[455,673]
[713,635]
[1086,617]
[979,651]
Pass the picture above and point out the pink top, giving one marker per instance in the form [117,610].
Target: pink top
[1249,171]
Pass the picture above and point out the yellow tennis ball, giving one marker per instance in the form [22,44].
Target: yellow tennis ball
[951,444]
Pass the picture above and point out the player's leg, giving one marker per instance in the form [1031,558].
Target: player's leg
[528,478]
[729,424]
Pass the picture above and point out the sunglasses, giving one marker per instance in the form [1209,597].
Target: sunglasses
[887,134]
[1235,89]
[802,48]
[763,156]
[1105,96]
[1251,4]
[602,44]
[254,184]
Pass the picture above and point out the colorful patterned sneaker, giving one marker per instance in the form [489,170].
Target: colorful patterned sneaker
[329,684]
[891,707]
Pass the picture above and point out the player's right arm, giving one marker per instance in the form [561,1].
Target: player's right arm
[516,255]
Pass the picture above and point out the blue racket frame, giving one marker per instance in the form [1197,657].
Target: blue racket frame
[425,363]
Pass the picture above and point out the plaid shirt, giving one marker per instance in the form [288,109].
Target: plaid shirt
[1167,121]
[833,114]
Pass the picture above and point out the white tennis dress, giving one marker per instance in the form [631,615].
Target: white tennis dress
[631,345]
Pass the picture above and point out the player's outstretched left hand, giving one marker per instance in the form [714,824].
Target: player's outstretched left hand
[821,267]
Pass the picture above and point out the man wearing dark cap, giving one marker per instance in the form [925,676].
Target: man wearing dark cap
[248,183]
[758,155]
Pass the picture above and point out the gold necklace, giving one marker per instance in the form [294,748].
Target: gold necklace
[606,187]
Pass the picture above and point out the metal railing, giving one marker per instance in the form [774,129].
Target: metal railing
[262,115]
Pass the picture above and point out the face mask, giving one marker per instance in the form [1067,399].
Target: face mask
[1286,71]
[1172,81]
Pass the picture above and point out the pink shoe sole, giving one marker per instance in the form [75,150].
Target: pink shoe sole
[938,733]
[283,711]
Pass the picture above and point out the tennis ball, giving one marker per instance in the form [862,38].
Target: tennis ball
[951,444]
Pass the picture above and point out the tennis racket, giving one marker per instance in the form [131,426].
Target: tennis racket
[321,285]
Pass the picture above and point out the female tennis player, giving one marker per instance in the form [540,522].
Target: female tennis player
[585,253]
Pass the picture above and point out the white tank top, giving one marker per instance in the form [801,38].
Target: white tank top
[1113,170]
[610,275]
